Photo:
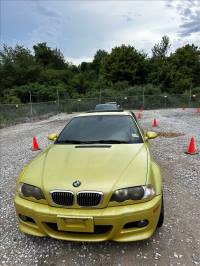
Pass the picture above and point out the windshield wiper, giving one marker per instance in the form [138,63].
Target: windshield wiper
[108,141]
[103,141]
[71,141]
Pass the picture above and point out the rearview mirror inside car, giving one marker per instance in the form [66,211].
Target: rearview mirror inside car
[151,135]
[52,136]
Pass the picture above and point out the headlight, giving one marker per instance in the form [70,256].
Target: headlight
[27,190]
[133,193]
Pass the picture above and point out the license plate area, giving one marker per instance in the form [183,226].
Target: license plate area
[75,224]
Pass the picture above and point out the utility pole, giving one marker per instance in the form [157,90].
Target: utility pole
[30,100]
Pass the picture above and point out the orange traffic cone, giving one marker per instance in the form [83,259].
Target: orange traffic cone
[198,110]
[191,147]
[139,116]
[155,122]
[35,146]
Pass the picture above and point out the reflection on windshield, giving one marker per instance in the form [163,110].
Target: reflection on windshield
[100,129]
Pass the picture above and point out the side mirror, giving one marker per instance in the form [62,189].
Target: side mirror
[52,136]
[151,135]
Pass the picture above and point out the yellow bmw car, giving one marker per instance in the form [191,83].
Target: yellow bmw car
[96,182]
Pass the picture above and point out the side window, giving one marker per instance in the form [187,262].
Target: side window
[140,128]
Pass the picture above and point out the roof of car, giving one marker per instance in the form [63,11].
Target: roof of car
[113,112]
[99,104]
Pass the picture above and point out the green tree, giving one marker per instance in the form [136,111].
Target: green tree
[161,49]
[123,72]
[17,67]
[125,63]
[160,68]
[99,61]
[186,68]
[47,57]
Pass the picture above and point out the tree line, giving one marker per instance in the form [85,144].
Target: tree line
[125,71]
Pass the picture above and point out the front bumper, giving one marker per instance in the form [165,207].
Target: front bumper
[44,220]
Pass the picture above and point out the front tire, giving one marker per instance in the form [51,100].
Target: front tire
[162,211]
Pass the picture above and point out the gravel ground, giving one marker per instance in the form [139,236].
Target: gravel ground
[176,243]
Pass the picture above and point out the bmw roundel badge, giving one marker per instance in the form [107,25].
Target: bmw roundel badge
[76,183]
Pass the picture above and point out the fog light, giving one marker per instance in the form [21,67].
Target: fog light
[26,218]
[142,223]
[23,217]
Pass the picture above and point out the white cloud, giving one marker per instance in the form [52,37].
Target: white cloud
[78,60]
[79,28]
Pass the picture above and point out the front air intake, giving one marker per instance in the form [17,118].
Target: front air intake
[89,198]
[62,198]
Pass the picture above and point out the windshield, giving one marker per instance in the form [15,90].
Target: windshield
[100,107]
[100,129]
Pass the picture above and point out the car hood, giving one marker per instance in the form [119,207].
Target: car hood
[102,168]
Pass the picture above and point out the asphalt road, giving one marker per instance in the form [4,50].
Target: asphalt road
[176,243]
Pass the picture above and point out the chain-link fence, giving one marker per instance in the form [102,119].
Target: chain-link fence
[17,113]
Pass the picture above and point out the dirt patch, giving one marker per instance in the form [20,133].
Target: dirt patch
[170,134]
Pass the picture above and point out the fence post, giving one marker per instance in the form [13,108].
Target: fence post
[58,99]
[190,96]
[143,96]
[100,95]
[31,107]
[79,100]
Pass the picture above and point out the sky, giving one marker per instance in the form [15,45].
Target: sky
[80,28]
